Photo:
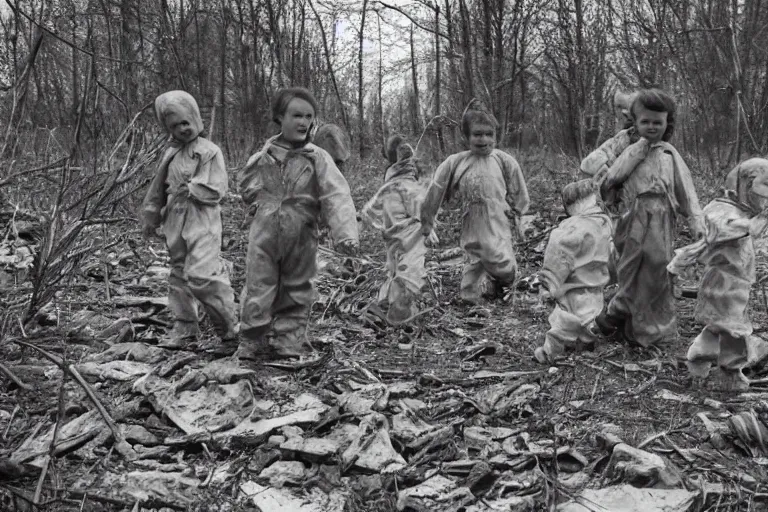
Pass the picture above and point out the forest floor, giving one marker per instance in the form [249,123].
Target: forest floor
[451,415]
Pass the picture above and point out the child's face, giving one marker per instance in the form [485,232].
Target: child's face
[650,124]
[297,120]
[482,138]
[180,127]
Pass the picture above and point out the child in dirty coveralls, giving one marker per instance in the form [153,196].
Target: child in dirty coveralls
[732,223]
[575,271]
[289,186]
[183,199]
[490,186]
[653,185]
[395,211]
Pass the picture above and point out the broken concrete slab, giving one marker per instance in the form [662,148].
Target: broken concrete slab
[487,439]
[284,472]
[507,504]
[285,500]
[255,432]
[425,495]
[372,448]
[114,370]
[408,428]
[71,435]
[208,409]
[626,498]
[371,397]
[757,350]
[162,488]
[138,434]
[642,469]
[321,448]
[225,372]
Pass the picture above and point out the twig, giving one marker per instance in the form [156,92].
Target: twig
[20,383]
[10,421]
[121,444]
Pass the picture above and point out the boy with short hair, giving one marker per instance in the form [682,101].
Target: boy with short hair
[732,222]
[575,270]
[492,190]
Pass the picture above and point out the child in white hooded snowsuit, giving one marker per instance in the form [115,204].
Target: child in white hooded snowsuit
[732,223]
[395,210]
[492,190]
[183,199]
[289,186]
[575,271]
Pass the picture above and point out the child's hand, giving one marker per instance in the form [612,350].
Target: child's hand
[432,239]
[427,230]
[544,296]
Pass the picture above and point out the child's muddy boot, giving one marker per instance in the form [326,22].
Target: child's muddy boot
[609,325]
[733,380]
[702,353]
[228,343]
[551,348]
[182,335]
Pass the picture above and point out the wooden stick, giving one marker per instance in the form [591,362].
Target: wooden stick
[122,446]
[7,371]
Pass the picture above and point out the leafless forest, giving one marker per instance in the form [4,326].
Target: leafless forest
[452,414]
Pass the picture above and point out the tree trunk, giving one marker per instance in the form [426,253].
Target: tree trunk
[324,37]
[438,80]
[360,92]
[415,112]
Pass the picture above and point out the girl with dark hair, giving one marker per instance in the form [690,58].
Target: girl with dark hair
[653,185]
[289,186]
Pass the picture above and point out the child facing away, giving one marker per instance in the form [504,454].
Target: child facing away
[653,185]
[575,271]
[490,186]
[335,141]
[183,199]
[727,251]
[395,210]
[289,186]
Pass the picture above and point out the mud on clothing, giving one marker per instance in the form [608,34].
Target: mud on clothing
[395,210]
[492,191]
[575,271]
[653,184]
[288,191]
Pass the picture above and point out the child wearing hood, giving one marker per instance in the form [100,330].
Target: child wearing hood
[289,186]
[183,200]
[653,185]
[491,188]
[395,210]
[575,271]
[727,250]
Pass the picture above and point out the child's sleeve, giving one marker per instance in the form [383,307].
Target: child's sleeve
[157,195]
[441,181]
[597,163]
[622,168]
[373,211]
[336,205]
[517,191]
[559,259]
[248,184]
[210,182]
[685,193]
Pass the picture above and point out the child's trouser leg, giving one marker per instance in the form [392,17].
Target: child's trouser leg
[475,281]
[704,350]
[181,302]
[260,290]
[733,358]
[565,331]
[208,280]
[295,297]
